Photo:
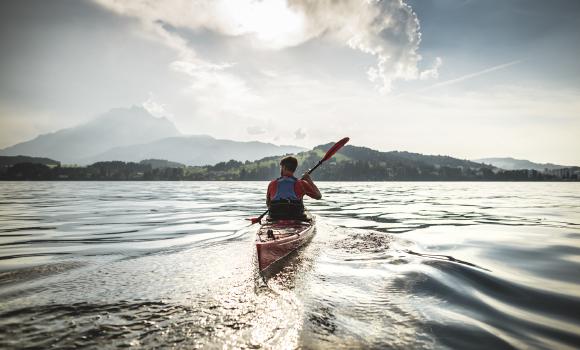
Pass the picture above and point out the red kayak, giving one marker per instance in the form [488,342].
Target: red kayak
[277,239]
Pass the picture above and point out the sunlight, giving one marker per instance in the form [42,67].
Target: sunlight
[272,23]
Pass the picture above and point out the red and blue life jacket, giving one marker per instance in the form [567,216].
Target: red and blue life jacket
[285,189]
[286,204]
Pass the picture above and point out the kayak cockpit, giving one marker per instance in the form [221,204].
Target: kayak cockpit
[281,229]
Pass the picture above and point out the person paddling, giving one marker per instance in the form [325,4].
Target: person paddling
[284,195]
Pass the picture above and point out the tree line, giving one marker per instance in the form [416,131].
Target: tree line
[268,168]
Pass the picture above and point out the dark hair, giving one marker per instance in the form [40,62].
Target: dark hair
[289,163]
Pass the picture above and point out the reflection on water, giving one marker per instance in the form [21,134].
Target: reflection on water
[393,265]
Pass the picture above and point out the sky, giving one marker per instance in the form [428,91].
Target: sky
[466,78]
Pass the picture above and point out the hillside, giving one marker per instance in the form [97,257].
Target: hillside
[161,163]
[116,128]
[351,163]
[194,150]
[133,134]
[354,163]
[6,161]
[509,163]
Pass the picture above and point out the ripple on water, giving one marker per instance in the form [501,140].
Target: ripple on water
[392,265]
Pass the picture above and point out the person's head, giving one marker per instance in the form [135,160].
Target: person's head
[288,165]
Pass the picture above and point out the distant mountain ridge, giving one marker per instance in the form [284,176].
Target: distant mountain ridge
[351,163]
[133,134]
[356,163]
[195,150]
[508,163]
[403,157]
[118,127]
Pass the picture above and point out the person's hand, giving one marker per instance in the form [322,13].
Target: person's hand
[306,177]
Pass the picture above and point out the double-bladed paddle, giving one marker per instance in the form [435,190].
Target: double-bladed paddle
[326,157]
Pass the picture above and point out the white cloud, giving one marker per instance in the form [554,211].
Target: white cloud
[256,130]
[299,134]
[217,91]
[388,30]
[474,75]
[433,72]
[155,108]
[153,17]
[230,100]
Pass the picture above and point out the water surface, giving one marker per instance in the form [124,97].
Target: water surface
[392,265]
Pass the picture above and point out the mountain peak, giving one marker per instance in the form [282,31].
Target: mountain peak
[115,128]
[134,134]
[132,114]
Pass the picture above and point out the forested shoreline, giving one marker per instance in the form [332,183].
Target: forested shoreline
[352,163]
[238,171]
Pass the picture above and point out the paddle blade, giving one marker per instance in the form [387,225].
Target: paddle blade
[254,220]
[335,148]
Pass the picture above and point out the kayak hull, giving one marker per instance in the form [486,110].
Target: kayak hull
[285,237]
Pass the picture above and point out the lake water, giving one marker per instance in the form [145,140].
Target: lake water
[392,265]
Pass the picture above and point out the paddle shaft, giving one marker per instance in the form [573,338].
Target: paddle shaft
[316,166]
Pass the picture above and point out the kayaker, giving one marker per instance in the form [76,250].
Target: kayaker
[284,196]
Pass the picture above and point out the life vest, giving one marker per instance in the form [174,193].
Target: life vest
[285,189]
[285,204]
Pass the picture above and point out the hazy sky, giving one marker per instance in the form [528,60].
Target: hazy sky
[467,78]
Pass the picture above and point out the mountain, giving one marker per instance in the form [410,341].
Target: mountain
[402,157]
[6,161]
[194,150]
[116,128]
[508,163]
[132,134]
[364,164]
[351,163]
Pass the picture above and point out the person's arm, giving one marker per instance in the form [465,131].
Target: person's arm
[310,188]
[268,195]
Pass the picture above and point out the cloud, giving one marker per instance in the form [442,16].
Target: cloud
[433,72]
[256,130]
[474,75]
[388,30]
[155,108]
[154,21]
[217,91]
[299,134]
